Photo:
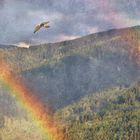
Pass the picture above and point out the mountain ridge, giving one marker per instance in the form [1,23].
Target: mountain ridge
[42,54]
[109,114]
[92,34]
[65,72]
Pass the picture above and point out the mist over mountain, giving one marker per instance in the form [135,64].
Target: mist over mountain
[64,72]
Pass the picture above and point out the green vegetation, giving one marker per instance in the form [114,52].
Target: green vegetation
[110,115]
[20,129]
[65,72]
[95,45]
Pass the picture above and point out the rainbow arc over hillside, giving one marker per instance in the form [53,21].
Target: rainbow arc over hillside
[119,20]
[40,114]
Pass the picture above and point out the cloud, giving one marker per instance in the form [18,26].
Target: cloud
[23,45]
[68,18]
[65,37]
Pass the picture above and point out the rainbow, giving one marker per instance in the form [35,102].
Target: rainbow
[40,114]
[122,20]
[114,16]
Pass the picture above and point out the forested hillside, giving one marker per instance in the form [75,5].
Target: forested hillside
[113,114]
[75,79]
[64,72]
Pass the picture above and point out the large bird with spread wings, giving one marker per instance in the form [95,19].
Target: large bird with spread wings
[39,26]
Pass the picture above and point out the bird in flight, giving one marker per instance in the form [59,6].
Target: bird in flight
[39,26]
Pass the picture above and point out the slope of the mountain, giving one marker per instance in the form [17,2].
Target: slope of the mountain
[6,46]
[86,65]
[22,59]
[113,114]
[65,71]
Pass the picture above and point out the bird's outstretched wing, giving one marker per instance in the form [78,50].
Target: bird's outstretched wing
[43,24]
[37,28]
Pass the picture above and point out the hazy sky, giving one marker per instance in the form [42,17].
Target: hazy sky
[68,18]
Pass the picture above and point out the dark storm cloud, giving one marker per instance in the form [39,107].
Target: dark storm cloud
[68,18]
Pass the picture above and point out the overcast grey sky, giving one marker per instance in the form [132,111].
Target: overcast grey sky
[68,18]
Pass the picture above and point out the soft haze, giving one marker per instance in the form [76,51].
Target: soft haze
[68,18]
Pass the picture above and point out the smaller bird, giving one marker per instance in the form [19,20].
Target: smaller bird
[39,26]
